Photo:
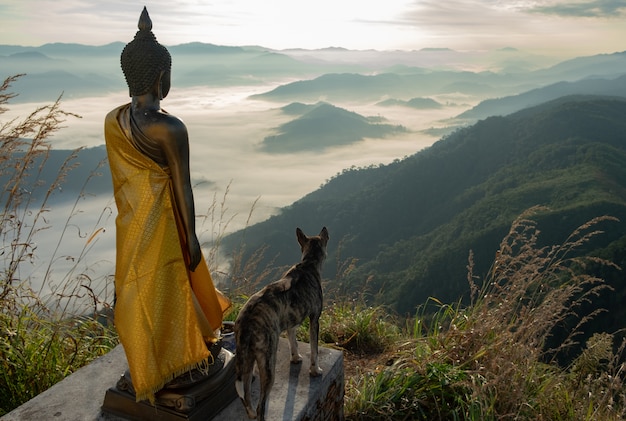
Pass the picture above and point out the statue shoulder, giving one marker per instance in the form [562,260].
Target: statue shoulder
[161,126]
[170,126]
[175,125]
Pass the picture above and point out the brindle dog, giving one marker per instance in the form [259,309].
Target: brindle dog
[280,306]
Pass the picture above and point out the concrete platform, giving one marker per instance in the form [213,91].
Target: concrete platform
[295,395]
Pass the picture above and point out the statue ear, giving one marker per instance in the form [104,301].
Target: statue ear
[163,84]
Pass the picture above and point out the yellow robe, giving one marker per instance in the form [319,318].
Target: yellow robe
[155,315]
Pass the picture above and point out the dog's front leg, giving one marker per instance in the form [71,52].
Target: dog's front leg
[293,346]
[314,330]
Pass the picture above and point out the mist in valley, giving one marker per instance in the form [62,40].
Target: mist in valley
[235,182]
[231,99]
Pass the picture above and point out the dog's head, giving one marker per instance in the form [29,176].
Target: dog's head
[314,244]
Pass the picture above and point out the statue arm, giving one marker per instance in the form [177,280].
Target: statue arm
[176,150]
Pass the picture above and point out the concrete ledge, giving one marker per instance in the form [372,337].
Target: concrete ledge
[79,396]
[295,395]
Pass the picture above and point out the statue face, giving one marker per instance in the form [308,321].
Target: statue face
[165,83]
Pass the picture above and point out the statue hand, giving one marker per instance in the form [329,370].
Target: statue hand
[195,253]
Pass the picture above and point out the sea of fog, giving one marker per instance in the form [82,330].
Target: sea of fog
[235,184]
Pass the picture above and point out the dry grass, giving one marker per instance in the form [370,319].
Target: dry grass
[41,338]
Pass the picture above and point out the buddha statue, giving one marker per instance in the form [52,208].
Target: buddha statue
[168,313]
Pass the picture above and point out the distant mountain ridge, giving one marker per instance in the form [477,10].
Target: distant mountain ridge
[325,74]
[600,65]
[355,86]
[508,105]
[411,82]
[194,64]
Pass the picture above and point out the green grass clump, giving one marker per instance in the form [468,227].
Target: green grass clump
[401,392]
[356,327]
[37,351]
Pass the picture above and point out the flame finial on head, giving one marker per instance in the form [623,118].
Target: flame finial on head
[145,24]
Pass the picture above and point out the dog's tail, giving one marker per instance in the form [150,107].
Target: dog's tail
[239,388]
[244,366]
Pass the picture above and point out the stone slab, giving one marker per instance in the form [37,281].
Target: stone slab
[295,395]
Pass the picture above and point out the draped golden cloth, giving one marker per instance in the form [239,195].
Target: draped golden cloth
[155,315]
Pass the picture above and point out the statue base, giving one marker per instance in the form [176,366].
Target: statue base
[180,400]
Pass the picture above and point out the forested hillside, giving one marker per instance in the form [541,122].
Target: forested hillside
[412,223]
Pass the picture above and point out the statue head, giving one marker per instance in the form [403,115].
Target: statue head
[145,61]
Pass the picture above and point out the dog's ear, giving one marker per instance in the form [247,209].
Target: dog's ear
[302,239]
[324,234]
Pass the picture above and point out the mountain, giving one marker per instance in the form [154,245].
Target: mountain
[87,173]
[510,104]
[503,60]
[600,65]
[410,225]
[49,85]
[201,64]
[417,103]
[323,126]
[366,87]
[20,62]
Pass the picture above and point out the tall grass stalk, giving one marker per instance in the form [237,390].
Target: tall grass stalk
[235,276]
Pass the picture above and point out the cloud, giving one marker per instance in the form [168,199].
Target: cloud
[458,14]
[549,26]
[467,24]
[355,24]
[593,9]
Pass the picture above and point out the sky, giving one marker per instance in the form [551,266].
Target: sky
[564,28]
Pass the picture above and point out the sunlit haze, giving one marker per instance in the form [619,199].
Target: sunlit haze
[545,26]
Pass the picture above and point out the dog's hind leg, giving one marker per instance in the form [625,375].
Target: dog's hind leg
[314,330]
[266,365]
[293,346]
